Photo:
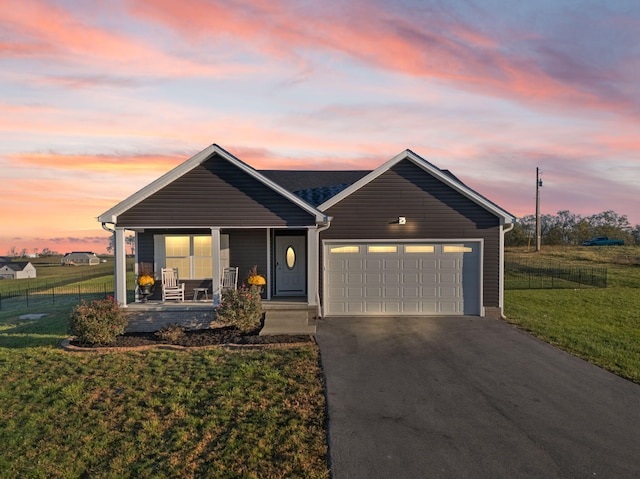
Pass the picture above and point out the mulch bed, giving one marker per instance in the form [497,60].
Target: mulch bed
[199,338]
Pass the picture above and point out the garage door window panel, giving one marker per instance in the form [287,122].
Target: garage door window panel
[457,249]
[382,249]
[344,249]
[418,248]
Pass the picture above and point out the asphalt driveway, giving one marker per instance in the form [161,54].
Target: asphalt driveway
[458,397]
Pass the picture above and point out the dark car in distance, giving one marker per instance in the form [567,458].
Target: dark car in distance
[602,241]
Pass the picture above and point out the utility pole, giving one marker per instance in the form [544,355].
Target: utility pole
[538,186]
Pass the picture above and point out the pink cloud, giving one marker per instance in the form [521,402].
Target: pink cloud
[121,164]
[439,46]
[48,31]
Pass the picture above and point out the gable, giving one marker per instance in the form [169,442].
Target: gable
[431,208]
[428,170]
[215,193]
[16,266]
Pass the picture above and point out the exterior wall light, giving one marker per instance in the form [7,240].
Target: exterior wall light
[402,220]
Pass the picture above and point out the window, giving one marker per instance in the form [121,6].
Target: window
[455,248]
[382,249]
[190,254]
[344,249]
[291,257]
[419,248]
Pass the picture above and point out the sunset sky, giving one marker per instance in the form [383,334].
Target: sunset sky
[99,98]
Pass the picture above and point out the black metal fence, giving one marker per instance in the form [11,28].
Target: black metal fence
[552,276]
[47,295]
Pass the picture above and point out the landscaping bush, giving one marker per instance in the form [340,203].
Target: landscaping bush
[241,308]
[97,322]
[170,333]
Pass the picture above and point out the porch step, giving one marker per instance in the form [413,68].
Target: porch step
[287,322]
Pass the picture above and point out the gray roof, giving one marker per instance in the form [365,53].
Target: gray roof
[317,186]
[314,186]
[296,180]
[15,266]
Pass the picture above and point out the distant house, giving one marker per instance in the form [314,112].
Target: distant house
[17,270]
[78,258]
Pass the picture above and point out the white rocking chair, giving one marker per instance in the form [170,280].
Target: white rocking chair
[229,279]
[171,287]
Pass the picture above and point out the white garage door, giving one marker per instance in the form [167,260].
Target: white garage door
[409,278]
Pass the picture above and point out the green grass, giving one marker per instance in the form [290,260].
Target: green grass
[209,413]
[599,325]
[49,272]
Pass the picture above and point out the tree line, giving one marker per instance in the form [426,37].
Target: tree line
[566,228]
[14,252]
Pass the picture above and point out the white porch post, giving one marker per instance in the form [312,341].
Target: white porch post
[269,285]
[312,266]
[216,260]
[120,268]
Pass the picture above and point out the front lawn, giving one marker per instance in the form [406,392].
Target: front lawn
[599,325]
[209,413]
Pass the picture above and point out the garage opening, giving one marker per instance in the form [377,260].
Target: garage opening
[418,278]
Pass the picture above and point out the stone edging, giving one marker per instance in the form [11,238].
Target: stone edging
[67,346]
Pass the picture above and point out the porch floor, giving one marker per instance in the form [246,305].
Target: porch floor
[282,315]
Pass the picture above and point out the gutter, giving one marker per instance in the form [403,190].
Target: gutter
[504,231]
[318,231]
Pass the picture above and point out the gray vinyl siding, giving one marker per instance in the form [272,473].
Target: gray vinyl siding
[247,248]
[215,193]
[145,248]
[432,209]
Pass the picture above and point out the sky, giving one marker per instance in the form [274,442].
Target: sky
[100,97]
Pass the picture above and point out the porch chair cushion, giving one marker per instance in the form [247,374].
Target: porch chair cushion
[171,286]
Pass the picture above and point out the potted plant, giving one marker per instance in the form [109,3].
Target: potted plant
[256,280]
[146,282]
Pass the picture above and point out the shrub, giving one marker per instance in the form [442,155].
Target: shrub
[241,308]
[97,322]
[170,333]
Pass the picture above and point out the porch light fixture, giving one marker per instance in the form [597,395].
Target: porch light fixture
[402,220]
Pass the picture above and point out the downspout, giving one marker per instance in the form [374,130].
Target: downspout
[318,231]
[106,228]
[504,231]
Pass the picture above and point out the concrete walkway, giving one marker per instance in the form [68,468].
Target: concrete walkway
[461,397]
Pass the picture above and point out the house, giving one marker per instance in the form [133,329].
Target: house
[17,270]
[406,238]
[80,258]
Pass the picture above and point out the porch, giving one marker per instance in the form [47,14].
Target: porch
[282,316]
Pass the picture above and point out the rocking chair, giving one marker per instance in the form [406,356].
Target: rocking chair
[171,287]
[229,279]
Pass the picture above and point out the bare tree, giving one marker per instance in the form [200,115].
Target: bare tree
[131,241]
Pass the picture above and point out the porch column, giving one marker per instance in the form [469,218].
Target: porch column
[120,268]
[312,266]
[216,259]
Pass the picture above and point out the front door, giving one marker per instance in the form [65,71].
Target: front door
[291,266]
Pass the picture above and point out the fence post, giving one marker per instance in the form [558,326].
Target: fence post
[79,297]
[53,295]
[26,294]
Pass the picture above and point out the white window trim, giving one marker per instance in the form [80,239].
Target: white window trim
[160,254]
